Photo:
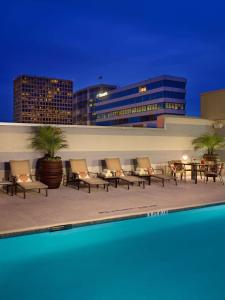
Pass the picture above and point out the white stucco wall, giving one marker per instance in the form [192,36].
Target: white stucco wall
[95,143]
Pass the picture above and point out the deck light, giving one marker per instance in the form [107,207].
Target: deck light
[184,157]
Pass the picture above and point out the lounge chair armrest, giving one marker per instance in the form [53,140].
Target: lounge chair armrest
[76,175]
[12,179]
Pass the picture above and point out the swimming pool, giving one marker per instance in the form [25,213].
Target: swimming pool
[176,256]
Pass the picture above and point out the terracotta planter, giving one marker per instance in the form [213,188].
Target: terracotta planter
[51,173]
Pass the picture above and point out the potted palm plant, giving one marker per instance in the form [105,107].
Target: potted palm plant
[210,142]
[49,140]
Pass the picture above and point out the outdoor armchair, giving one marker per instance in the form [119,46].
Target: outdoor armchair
[178,168]
[216,171]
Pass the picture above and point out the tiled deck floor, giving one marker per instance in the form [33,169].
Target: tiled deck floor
[67,205]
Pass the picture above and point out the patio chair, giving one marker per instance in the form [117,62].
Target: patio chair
[114,165]
[81,174]
[22,177]
[216,171]
[179,168]
[145,169]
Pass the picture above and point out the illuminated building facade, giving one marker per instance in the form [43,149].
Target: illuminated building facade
[42,100]
[140,104]
[84,103]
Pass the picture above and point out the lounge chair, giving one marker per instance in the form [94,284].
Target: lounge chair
[81,174]
[22,177]
[114,165]
[145,169]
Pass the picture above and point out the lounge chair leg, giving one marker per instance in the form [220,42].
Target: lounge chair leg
[163,182]
[39,190]
[89,188]
[24,194]
[107,188]
[143,184]
[128,186]
[12,187]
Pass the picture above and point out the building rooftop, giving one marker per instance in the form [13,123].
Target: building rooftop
[42,77]
[146,81]
[214,91]
[70,206]
[94,143]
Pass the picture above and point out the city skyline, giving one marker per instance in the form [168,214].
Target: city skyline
[123,43]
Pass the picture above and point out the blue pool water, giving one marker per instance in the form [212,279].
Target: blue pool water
[175,256]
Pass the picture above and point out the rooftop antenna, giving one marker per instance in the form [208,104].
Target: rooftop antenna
[100,80]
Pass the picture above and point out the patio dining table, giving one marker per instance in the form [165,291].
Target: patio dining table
[195,168]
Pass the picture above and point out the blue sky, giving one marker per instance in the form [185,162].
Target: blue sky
[124,41]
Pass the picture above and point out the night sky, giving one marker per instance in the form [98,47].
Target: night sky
[123,41]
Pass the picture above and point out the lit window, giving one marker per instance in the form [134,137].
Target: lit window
[142,89]
[101,94]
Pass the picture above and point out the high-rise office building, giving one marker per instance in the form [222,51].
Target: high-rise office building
[84,102]
[213,105]
[42,100]
[140,104]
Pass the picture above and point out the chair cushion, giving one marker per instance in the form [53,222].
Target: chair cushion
[131,179]
[94,181]
[107,173]
[141,171]
[119,173]
[23,178]
[150,171]
[83,175]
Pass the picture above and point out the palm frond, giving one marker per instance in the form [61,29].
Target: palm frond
[208,141]
[48,140]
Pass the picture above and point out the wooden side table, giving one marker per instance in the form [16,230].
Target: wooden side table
[113,179]
[9,186]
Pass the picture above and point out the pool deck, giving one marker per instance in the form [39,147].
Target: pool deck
[69,206]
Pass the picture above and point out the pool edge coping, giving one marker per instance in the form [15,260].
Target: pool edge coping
[65,226]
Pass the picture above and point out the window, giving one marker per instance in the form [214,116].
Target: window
[142,89]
